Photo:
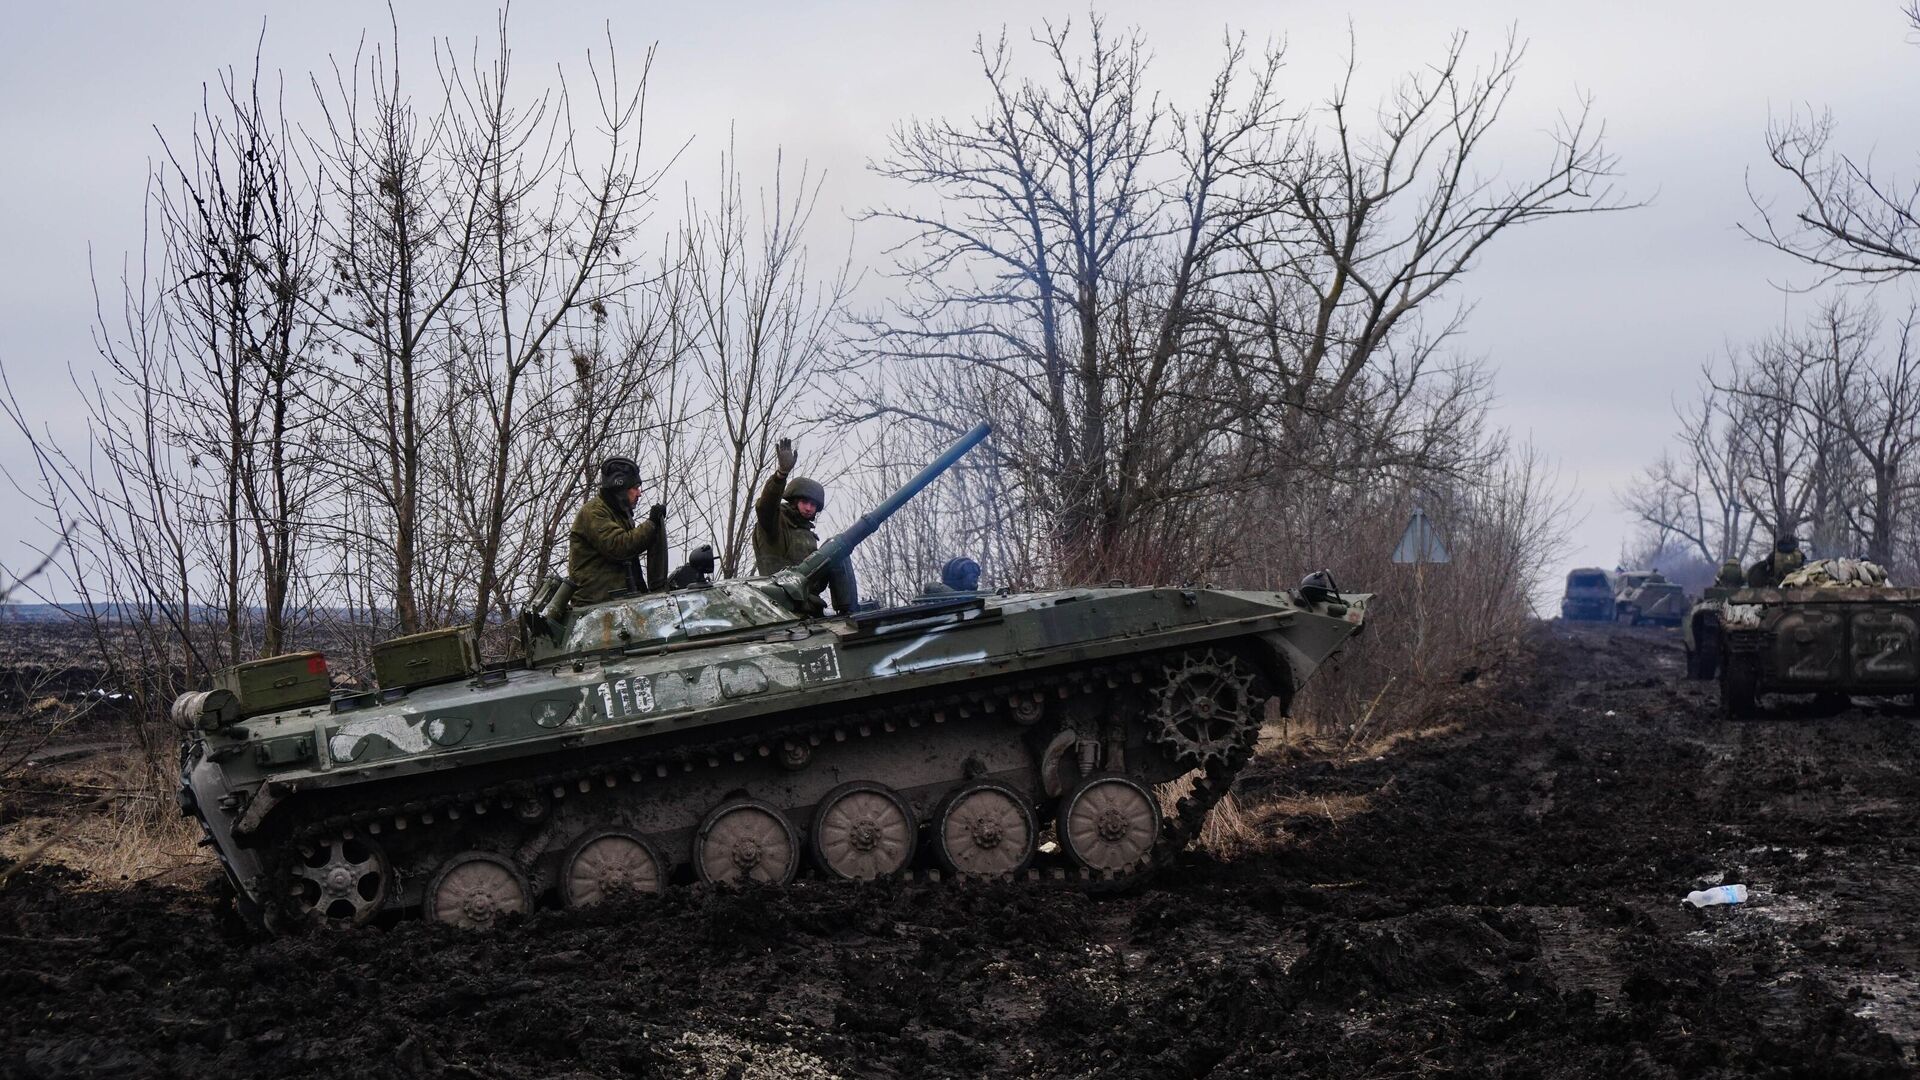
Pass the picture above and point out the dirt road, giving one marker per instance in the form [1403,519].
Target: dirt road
[1506,902]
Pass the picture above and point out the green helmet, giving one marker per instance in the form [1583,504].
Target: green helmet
[802,488]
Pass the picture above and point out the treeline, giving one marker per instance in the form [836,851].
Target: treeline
[359,377]
[1812,430]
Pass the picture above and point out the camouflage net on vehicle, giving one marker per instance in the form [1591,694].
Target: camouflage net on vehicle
[1818,574]
[1836,574]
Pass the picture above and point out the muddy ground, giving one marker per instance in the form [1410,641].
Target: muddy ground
[1506,903]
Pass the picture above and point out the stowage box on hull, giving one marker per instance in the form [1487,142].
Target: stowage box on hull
[278,682]
[435,656]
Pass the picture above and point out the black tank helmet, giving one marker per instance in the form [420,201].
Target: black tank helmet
[1787,545]
[802,488]
[961,574]
[619,473]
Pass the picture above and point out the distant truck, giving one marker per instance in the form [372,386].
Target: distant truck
[1589,595]
[1646,596]
[1818,640]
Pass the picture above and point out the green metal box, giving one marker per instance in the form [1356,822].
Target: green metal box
[422,659]
[278,682]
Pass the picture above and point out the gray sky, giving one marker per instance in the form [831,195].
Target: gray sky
[1593,324]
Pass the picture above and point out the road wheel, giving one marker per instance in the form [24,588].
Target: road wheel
[984,830]
[863,831]
[475,890]
[746,840]
[338,883]
[1109,823]
[607,862]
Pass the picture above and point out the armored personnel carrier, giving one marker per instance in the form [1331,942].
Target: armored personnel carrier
[1819,635]
[730,732]
[1646,596]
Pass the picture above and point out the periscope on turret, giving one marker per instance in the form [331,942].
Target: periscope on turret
[727,732]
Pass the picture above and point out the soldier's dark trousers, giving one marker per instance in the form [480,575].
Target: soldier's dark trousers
[842,587]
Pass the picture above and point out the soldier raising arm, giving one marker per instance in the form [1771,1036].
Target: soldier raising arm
[783,535]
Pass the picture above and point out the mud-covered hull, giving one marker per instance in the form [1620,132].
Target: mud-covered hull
[1863,641]
[1010,706]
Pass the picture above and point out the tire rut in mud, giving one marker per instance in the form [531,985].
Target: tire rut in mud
[1506,903]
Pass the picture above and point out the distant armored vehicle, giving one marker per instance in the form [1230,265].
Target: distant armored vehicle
[728,733]
[1646,596]
[1589,595]
[1818,638]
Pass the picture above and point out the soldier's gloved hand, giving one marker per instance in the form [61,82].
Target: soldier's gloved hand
[788,455]
[658,514]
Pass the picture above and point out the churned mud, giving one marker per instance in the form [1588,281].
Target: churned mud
[1503,899]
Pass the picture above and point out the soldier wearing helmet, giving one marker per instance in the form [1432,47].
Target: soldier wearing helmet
[606,545]
[959,577]
[783,522]
[1785,559]
[1731,576]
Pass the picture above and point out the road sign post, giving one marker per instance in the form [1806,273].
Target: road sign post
[1419,545]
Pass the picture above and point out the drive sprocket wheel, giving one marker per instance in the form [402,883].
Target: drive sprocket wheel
[337,883]
[1202,711]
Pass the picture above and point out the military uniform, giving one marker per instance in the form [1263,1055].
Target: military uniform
[604,549]
[1768,572]
[783,538]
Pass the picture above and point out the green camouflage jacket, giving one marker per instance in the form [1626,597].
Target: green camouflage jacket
[604,543]
[1768,572]
[781,537]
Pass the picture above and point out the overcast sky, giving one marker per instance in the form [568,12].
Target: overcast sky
[1594,325]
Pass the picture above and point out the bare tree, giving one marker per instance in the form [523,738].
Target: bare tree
[1697,496]
[402,242]
[554,247]
[1815,426]
[1164,307]
[240,245]
[760,327]
[1084,218]
[1382,218]
[1849,222]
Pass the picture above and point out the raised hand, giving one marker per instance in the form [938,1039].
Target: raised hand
[788,454]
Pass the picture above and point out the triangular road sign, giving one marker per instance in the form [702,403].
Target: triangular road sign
[1421,542]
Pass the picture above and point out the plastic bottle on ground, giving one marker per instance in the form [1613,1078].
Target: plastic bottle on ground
[1719,894]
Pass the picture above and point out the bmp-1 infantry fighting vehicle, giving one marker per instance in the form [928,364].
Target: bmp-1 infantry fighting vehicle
[1817,639]
[1589,595]
[728,732]
[1646,596]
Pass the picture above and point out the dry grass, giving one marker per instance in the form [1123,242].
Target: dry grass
[109,815]
[1239,826]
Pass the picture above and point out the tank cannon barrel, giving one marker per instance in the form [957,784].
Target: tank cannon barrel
[814,568]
